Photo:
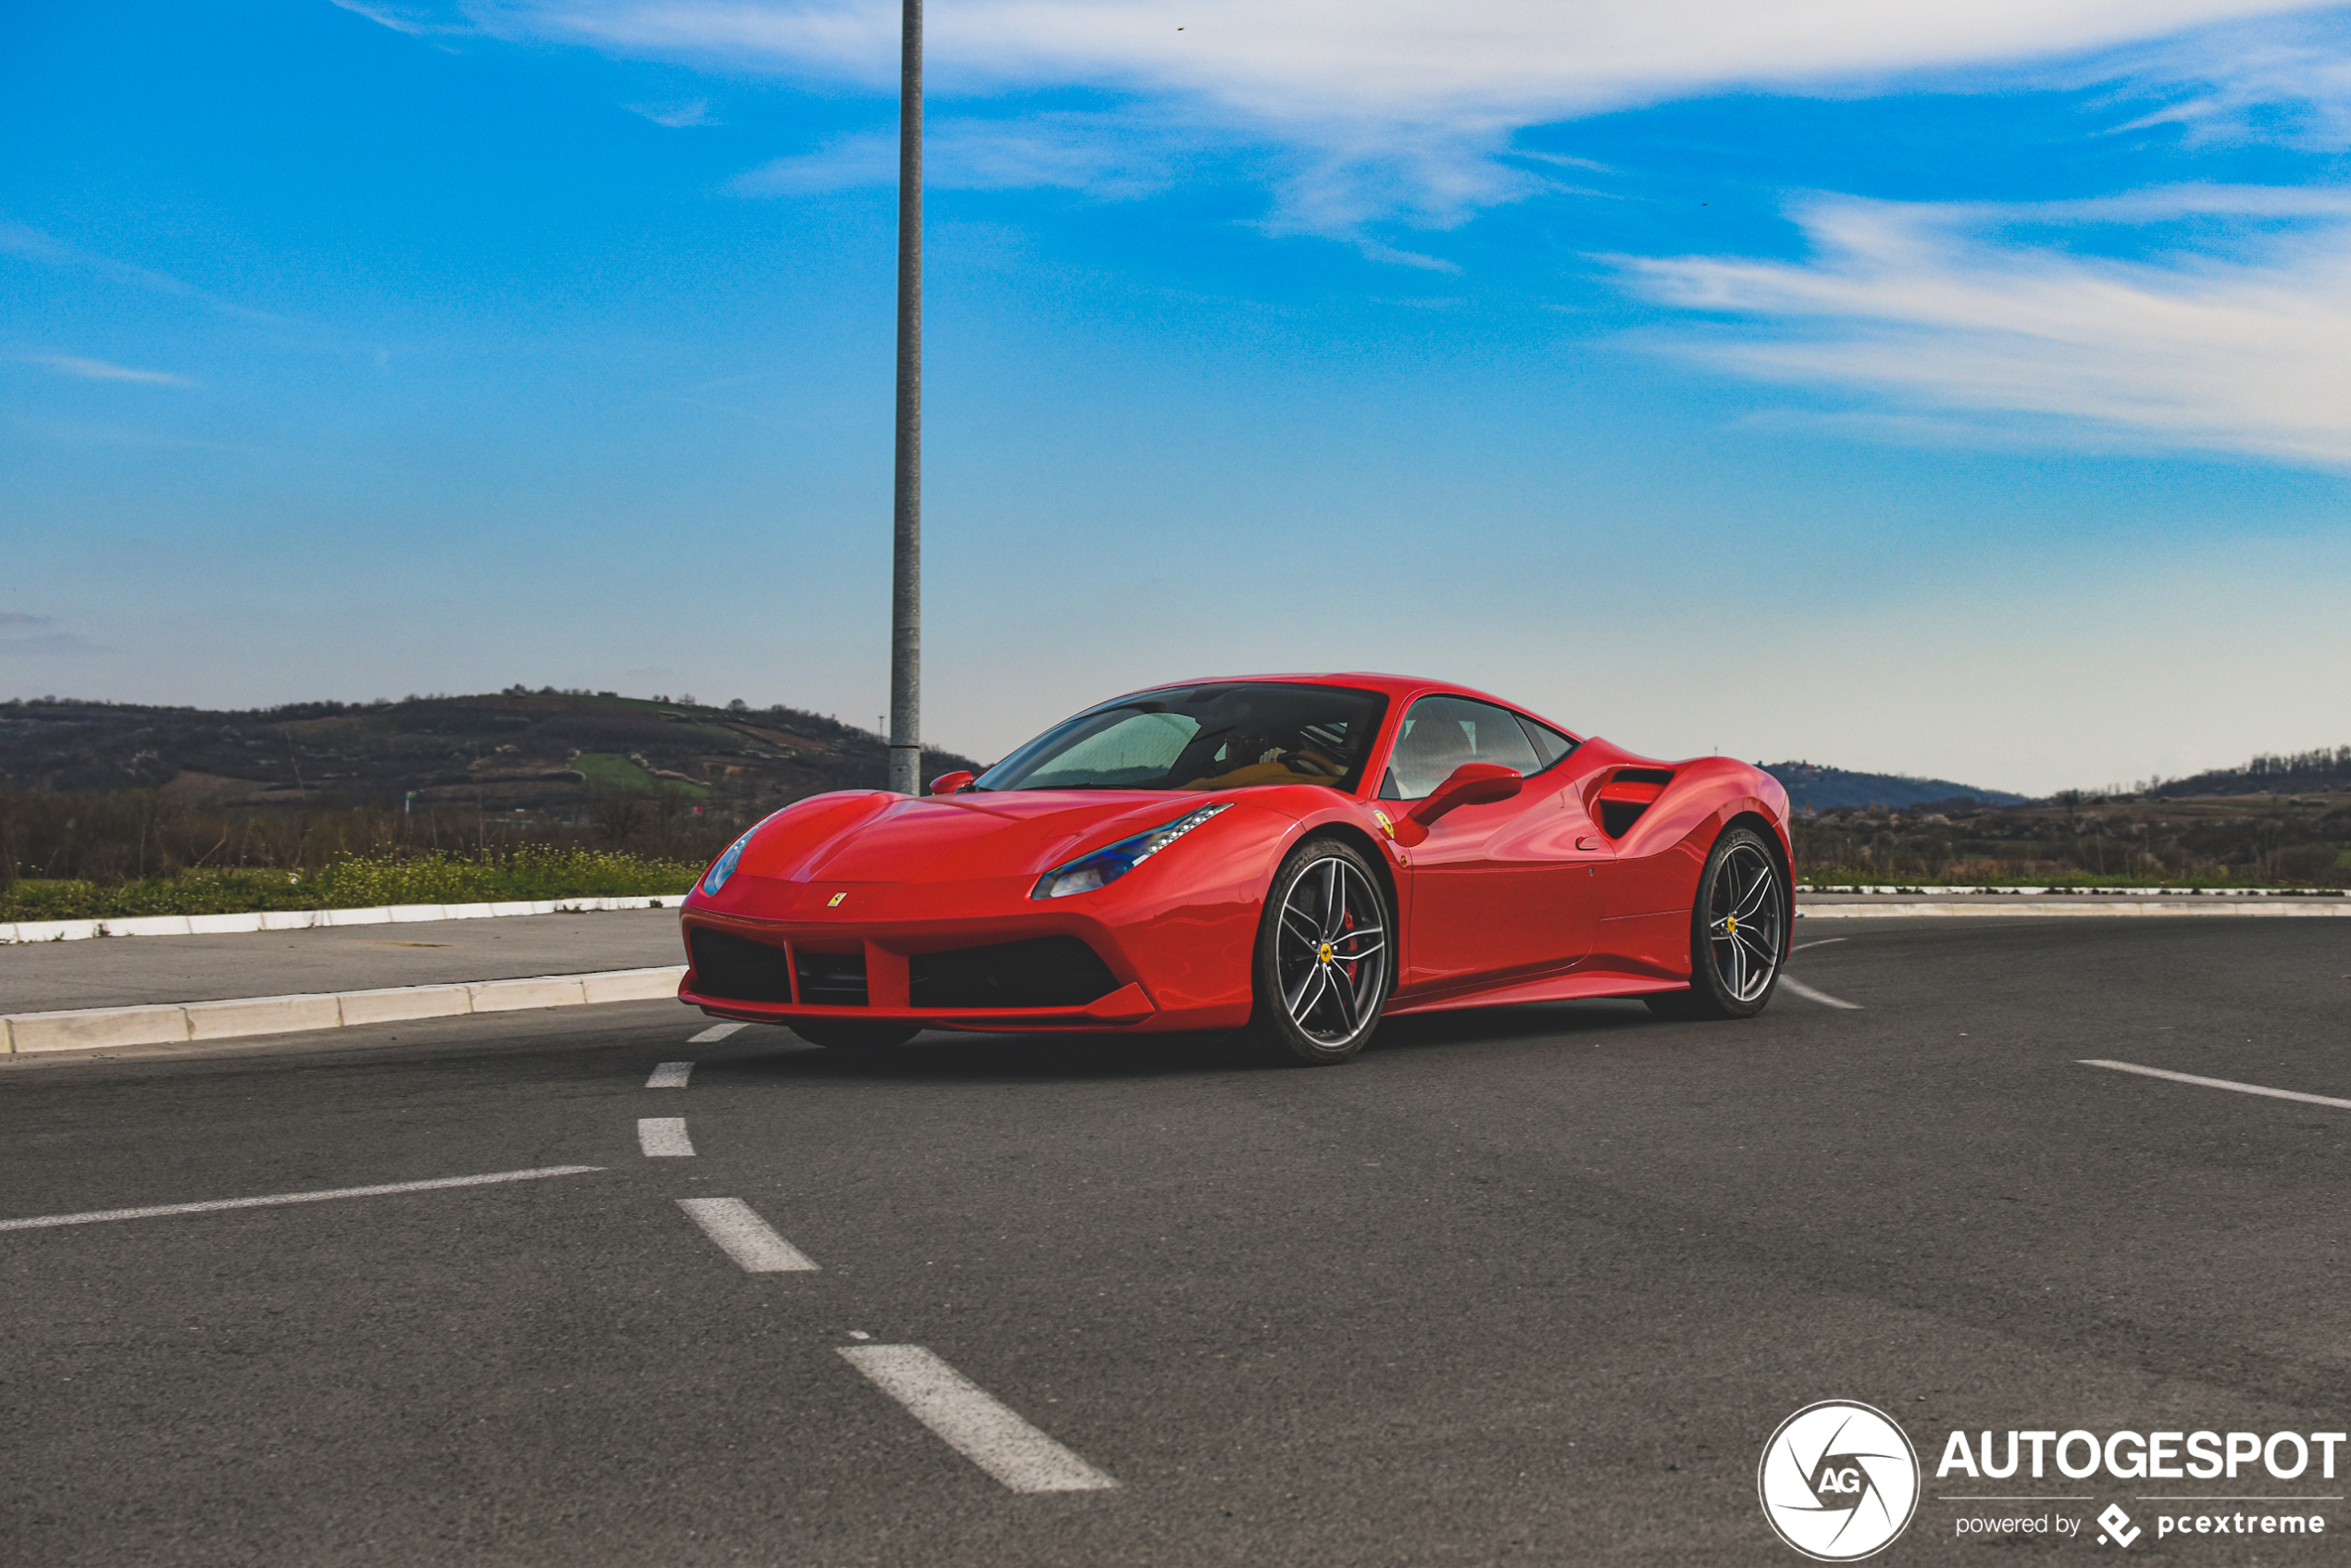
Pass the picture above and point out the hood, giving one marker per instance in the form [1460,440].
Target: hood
[964,838]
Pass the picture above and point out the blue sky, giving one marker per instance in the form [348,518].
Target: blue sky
[1949,388]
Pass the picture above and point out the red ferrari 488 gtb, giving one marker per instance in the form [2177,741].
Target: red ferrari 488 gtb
[1299,855]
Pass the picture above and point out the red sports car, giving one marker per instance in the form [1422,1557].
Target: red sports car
[1299,855]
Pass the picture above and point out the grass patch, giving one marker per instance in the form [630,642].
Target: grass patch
[360,882]
[609,771]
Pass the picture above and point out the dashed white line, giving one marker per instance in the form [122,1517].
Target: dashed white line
[1823,942]
[670,1075]
[219,1204]
[2219,1083]
[664,1138]
[1823,998]
[744,1237]
[715,1032]
[972,1422]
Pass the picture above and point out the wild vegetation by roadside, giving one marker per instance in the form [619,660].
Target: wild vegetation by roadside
[112,809]
[2080,839]
[532,872]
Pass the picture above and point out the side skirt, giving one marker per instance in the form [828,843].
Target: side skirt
[1555,988]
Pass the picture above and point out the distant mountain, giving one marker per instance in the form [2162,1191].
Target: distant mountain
[2301,773]
[547,752]
[1812,787]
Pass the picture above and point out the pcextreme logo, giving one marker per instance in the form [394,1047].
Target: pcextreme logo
[1838,1481]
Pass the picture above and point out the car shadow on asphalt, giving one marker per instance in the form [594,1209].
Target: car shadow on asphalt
[941,1056]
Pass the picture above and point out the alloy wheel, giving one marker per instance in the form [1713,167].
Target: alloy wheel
[1746,922]
[1331,951]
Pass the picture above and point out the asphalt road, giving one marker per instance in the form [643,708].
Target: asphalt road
[1523,1286]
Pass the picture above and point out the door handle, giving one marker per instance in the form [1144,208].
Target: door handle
[1588,843]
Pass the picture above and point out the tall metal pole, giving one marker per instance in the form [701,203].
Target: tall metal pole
[906,554]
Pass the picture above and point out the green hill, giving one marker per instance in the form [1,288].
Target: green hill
[544,753]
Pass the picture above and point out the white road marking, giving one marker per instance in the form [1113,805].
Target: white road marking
[744,1237]
[664,1138]
[969,1420]
[219,1204]
[715,1032]
[1823,942]
[1823,998]
[2219,1083]
[670,1075]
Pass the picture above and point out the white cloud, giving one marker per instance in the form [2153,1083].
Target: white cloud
[1107,156]
[99,370]
[1386,108]
[845,163]
[412,21]
[28,243]
[27,634]
[1299,61]
[2286,82]
[676,117]
[1944,309]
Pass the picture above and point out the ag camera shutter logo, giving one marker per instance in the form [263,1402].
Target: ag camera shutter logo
[1838,1481]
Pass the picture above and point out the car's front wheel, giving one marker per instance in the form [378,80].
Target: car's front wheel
[1325,953]
[1738,932]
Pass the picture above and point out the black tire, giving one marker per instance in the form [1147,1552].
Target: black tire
[854,1039]
[1739,933]
[1325,956]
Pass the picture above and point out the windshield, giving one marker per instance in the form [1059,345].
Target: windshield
[1221,737]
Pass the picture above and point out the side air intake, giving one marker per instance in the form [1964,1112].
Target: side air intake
[1628,793]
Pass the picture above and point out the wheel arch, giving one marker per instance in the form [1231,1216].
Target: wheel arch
[1357,839]
[1364,844]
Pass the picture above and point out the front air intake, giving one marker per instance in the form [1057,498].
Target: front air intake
[738,969]
[1042,972]
[830,979]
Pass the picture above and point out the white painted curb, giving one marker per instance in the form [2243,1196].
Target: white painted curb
[2008,909]
[1911,890]
[310,919]
[90,1028]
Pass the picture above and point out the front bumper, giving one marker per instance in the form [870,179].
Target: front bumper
[1172,963]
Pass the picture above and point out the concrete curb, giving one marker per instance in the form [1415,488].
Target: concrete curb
[90,1028]
[311,919]
[1905,890]
[2007,909]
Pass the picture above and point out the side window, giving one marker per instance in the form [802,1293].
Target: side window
[1549,744]
[1441,733]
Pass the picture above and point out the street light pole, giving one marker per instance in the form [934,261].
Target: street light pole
[906,552]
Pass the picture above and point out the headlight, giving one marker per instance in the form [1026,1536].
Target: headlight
[724,866]
[1108,863]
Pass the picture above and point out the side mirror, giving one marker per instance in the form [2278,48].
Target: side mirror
[1472,784]
[948,783]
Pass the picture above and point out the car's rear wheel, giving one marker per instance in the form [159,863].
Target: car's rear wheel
[1738,932]
[1325,953]
[852,1038]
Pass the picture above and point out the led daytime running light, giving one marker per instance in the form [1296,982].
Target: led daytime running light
[1110,863]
